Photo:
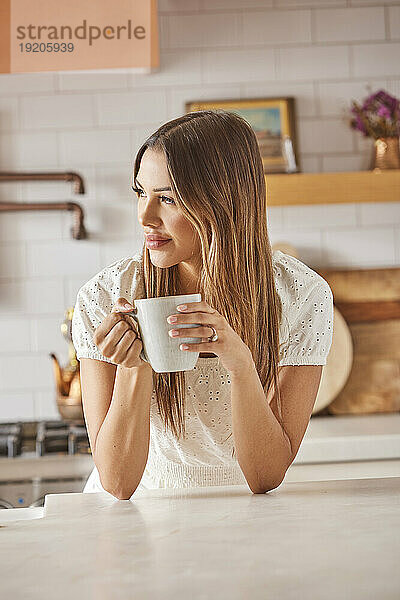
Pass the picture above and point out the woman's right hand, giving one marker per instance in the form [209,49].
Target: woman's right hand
[117,337]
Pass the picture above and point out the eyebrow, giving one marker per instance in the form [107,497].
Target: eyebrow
[164,189]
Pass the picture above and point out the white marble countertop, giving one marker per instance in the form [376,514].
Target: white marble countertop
[318,540]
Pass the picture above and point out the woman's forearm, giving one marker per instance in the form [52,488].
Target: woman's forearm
[262,450]
[122,443]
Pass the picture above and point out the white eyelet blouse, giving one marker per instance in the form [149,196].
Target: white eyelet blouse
[205,457]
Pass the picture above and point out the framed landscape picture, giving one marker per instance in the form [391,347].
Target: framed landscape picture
[273,121]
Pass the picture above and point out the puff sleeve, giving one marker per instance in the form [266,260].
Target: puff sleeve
[88,313]
[307,313]
[96,298]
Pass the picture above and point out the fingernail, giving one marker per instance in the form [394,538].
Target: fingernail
[182,307]
[128,305]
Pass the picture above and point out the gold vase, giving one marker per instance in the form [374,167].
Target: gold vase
[386,154]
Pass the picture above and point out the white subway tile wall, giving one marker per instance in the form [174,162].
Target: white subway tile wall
[322,52]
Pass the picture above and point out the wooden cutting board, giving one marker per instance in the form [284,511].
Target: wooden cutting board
[364,285]
[369,300]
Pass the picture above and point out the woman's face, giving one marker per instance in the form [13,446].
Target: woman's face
[158,214]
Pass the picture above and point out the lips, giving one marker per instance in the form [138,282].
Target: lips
[155,245]
[156,238]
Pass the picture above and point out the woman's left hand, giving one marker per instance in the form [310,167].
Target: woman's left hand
[232,351]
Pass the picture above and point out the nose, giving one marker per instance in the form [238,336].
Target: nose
[147,217]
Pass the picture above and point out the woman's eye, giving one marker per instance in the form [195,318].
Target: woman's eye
[139,192]
[169,199]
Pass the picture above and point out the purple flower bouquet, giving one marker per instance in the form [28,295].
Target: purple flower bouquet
[378,116]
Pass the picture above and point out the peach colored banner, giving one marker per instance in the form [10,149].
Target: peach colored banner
[48,35]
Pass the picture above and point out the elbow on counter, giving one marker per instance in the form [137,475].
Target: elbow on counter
[121,493]
[123,496]
[268,488]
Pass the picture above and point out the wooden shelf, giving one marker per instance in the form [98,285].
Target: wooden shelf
[333,188]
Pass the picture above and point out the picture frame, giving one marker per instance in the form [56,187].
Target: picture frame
[273,121]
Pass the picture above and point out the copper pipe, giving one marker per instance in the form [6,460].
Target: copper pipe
[77,180]
[78,230]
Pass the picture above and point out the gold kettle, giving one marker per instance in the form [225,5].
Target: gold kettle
[68,382]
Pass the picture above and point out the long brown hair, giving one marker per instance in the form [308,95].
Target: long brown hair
[217,175]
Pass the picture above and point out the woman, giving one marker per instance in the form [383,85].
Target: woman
[267,320]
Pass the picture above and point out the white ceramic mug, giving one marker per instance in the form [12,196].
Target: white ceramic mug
[160,349]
